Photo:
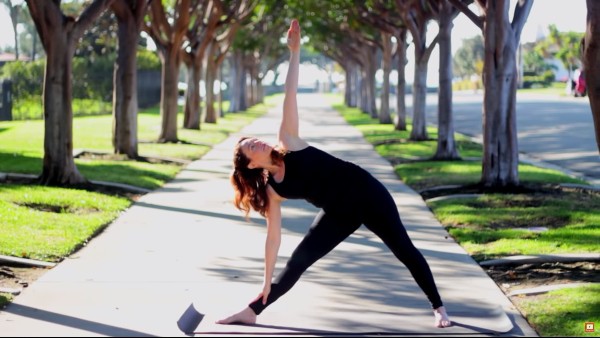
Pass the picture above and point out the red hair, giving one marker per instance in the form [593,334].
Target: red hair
[250,185]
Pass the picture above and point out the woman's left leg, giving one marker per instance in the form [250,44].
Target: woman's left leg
[383,219]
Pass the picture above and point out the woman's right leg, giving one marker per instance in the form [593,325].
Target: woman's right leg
[326,233]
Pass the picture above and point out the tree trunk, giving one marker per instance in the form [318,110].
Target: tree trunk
[400,121]
[169,94]
[370,71]
[59,34]
[446,147]
[260,90]
[500,152]
[241,80]
[419,125]
[386,65]
[591,61]
[221,112]
[211,75]
[215,59]
[59,165]
[191,116]
[255,99]
[234,83]
[352,84]
[14,16]
[34,46]
[348,84]
[356,85]
[362,87]
[125,104]
[168,33]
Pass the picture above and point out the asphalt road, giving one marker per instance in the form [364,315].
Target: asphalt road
[558,131]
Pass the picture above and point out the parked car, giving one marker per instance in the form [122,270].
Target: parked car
[580,85]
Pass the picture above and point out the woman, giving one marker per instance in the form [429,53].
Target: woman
[349,196]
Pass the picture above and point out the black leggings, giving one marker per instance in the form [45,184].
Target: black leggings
[330,229]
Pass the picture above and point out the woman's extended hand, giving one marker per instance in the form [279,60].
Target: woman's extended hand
[293,36]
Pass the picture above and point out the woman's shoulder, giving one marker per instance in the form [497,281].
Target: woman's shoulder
[292,144]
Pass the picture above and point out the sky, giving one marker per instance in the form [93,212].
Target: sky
[567,15]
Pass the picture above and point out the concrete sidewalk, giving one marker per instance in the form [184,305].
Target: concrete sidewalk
[186,243]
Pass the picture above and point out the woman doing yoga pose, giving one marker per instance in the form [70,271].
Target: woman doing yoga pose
[348,196]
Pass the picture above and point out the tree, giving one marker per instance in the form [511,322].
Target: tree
[130,17]
[199,36]
[384,16]
[416,15]
[501,39]
[386,66]
[59,34]
[259,39]
[564,46]
[168,31]
[468,56]
[445,13]
[591,60]
[234,13]
[335,31]
[534,62]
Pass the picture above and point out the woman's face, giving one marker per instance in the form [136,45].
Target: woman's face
[257,151]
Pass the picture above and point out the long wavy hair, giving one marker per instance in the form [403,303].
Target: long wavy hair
[250,185]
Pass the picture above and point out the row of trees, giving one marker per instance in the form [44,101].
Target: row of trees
[501,37]
[355,29]
[348,31]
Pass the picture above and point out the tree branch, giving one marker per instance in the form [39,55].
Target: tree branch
[477,20]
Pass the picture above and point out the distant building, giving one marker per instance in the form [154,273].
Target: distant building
[9,57]
[561,74]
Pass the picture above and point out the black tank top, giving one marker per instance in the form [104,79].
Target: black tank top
[320,178]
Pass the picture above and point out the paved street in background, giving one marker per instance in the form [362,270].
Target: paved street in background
[557,130]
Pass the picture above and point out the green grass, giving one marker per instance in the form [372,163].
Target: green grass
[556,89]
[495,225]
[49,223]
[33,109]
[429,174]
[139,174]
[563,313]
[484,225]
[5,299]
[22,145]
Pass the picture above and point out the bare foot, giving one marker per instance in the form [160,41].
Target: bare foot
[441,317]
[246,316]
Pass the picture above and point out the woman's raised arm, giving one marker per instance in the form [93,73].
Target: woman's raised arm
[288,131]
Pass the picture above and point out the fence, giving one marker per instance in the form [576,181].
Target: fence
[148,88]
[6,100]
